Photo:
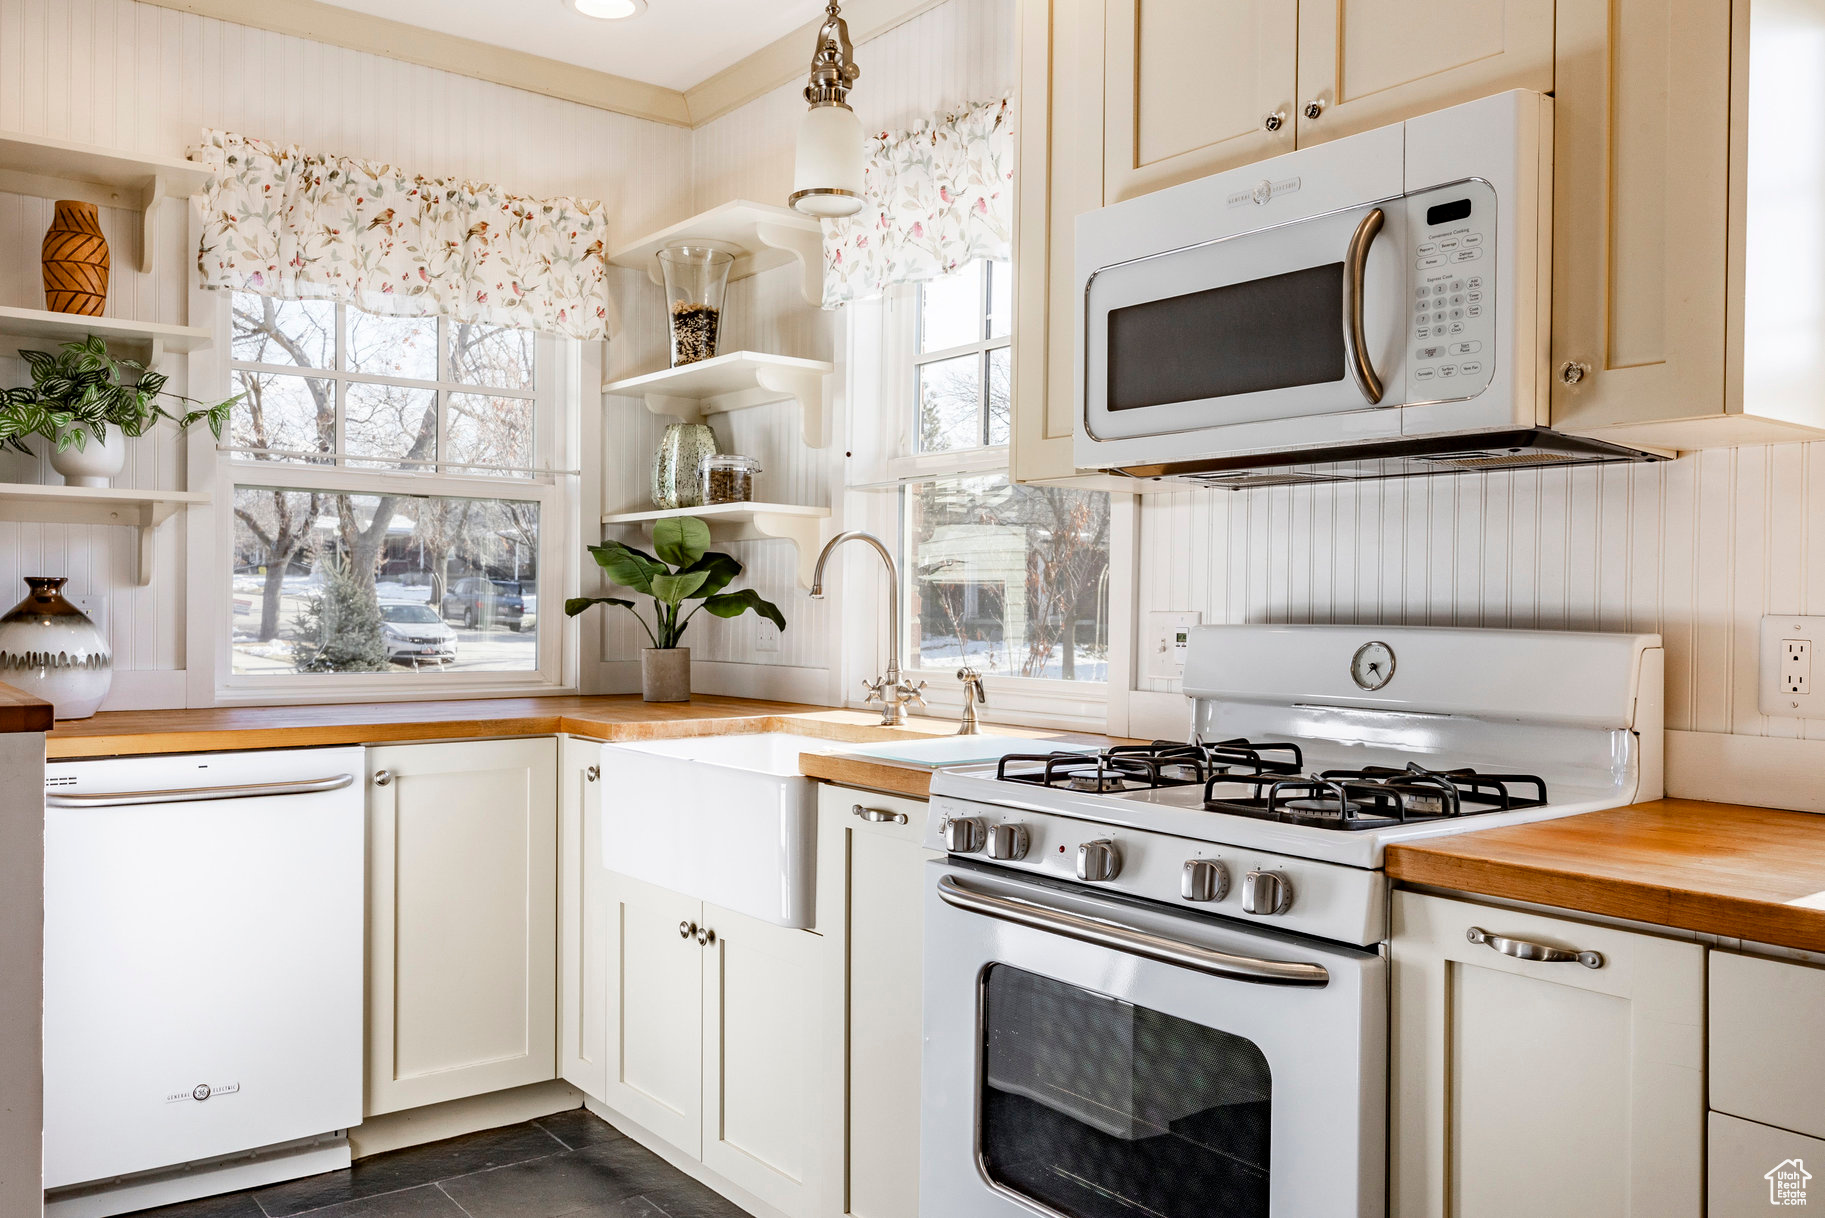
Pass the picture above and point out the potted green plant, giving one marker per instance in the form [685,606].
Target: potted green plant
[681,569]
[88,404]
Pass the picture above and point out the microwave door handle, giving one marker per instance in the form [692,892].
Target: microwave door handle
[1355,267]
[1103,933]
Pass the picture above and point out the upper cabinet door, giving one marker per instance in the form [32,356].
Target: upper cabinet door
[1368,63]
[1193,87]
[1641,218]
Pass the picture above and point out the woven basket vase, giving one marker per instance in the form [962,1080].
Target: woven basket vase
[75,261]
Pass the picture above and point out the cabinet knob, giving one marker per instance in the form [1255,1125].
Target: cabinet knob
[592,773]
[1274,121]
[705,936]
[686,929]
[382,777]
[1314,108]
[1572,372]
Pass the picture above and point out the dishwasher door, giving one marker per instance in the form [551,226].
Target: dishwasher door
[203,957]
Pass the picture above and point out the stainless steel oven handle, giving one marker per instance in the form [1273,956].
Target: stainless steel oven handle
[1141,943]
[1355,269]
[249,790]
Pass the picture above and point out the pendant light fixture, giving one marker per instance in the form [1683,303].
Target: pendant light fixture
[827,178]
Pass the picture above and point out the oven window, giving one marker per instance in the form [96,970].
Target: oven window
[1250,337]
[1097,1108]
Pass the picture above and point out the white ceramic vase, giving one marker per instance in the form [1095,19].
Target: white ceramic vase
[95,462]
[50,649]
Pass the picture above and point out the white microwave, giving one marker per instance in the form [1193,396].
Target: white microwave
[1373,306]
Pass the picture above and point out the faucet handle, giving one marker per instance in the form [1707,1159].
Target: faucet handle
[877,690]
[909,693]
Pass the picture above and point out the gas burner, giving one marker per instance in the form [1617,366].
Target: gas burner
[1163,763]
[1375,796]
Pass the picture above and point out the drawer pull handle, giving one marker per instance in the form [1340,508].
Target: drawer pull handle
[878,816]
[1521,949]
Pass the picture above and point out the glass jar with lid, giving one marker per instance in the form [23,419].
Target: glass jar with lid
[729,478]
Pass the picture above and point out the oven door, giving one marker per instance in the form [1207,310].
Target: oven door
[1089,1057]
[1277,324]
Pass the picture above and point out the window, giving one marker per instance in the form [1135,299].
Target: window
[1012,580]
[393,499]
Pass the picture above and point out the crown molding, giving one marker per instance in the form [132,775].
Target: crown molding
[327,23]
[789,58]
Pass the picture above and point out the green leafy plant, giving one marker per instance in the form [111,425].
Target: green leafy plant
[684,570]
[82,390]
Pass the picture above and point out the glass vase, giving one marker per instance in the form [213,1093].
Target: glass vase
[696,281]
[678,465]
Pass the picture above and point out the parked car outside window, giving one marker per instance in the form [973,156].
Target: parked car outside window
[480,603]
[415,634]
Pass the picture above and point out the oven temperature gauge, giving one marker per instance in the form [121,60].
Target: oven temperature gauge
[1373,665]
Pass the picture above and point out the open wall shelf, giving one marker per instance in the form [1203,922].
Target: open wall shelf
[734,382]
[146,340]
[142,510]
[802,526]
[58,169]
[760,235]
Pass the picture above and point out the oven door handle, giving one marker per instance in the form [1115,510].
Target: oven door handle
[1355,269]
[1149,946]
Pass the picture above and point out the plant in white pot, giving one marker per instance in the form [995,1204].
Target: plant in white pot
[681,569]
[88,405]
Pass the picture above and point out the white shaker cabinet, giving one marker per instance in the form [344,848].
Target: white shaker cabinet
[462,919]
[582,919]
[714,1030]
[1527,1087]
[871,884]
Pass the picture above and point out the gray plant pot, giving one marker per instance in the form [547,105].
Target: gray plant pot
[665,674]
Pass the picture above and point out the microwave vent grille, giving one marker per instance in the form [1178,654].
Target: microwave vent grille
[1507,460]
[1250,481]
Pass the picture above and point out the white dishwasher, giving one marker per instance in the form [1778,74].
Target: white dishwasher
[203,935]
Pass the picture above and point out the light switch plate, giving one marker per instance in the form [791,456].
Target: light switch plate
[1163,647]
[1792,681]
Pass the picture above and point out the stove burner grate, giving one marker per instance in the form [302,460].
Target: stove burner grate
[1163,763]
[1376,796]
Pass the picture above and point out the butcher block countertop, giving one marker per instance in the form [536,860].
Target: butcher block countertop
[621,717]
[20,712]
[1724,869]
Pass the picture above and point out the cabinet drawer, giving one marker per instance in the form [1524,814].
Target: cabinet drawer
[1768,1042]
[1740,1161]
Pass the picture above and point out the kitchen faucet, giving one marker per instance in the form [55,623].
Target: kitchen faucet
[891,691]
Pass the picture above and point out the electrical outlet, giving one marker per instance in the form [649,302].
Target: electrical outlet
[766,636]
[1788,646]
[1163,654]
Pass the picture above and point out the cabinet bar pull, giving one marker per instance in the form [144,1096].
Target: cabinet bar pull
[1355,268]
[878,816]
[1539,953]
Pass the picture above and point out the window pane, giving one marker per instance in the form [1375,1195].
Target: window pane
[390,421]
[330,583]
[950,309]
[950,404]
[1001,299]
[1013,579]
[496,356]
[392,346]
[287,413]
[488,431]
[298,332]
[1001,383]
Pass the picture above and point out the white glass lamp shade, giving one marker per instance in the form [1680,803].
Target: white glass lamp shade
[827,179]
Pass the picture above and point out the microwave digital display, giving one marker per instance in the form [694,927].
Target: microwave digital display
[1241,338]
[1447,213]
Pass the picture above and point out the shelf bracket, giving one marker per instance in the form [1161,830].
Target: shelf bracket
[807,389]
[150,517]
[151,200]
[804,532]
[807,245]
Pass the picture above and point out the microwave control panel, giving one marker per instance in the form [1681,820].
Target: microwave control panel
[1451,236]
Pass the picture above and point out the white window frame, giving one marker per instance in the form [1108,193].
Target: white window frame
[557,374]
[896,463]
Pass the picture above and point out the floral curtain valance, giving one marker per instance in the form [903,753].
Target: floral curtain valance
[281,221]
[938,196]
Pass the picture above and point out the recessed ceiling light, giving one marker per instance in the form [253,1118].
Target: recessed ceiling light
[608,10]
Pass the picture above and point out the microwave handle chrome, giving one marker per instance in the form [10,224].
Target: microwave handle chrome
[1355,266]
[1145,944]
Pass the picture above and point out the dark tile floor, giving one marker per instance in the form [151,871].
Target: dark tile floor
[571,1165]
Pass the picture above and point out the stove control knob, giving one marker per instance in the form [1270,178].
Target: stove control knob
[1008,843]
[1098,862]
[1265,893]
[1204,880]
[963,834]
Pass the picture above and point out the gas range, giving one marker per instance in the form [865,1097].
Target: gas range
[1310,749]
